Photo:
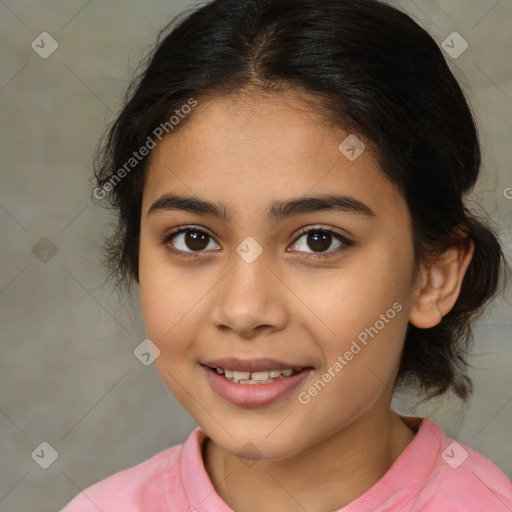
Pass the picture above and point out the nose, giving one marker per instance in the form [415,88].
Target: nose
[250,299]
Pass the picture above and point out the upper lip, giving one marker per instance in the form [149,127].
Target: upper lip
[252,365]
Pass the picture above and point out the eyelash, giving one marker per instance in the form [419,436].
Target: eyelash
[313,256]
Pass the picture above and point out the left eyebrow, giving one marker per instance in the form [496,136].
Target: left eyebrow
[308,204]
[277,210]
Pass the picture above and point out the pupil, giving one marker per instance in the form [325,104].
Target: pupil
[195,240]
[322,238]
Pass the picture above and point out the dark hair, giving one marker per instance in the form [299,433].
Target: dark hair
[370,69]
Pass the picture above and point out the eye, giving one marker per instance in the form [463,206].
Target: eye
[319,240]
[188,241]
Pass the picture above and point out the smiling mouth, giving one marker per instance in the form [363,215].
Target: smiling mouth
[256,377]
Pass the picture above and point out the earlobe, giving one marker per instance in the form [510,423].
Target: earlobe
[440,286]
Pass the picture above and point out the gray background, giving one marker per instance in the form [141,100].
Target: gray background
[68,373]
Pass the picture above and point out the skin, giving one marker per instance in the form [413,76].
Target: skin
[246,152]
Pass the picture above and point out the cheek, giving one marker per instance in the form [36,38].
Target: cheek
[363,310]
[167,308]
[172,301]
[360,367]
[159,292]
[353,297]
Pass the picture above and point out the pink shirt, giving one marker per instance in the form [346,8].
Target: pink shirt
[433,474]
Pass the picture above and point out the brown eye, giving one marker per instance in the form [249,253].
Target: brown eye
[196,240]
[320,241]
[189,240]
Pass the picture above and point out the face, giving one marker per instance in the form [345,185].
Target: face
[319,287]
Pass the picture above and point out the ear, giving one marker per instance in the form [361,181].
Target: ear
[440,285]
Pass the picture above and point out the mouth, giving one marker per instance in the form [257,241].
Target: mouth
[254,371]
[256,382]
[256,377]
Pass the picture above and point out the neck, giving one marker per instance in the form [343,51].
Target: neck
[326,476]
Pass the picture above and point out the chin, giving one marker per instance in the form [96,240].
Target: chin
[259,445]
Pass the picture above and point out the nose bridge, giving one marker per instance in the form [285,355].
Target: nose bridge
[249,277]
[249,295]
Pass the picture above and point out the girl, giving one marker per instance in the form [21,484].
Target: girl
[290,179]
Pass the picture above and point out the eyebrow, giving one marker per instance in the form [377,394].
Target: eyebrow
[277,210]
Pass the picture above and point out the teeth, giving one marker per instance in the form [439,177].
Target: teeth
[262,377]
[241,375]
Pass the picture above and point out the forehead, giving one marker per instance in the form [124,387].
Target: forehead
[247,151]
[274,122]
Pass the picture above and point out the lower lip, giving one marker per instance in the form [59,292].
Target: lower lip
[254,394]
